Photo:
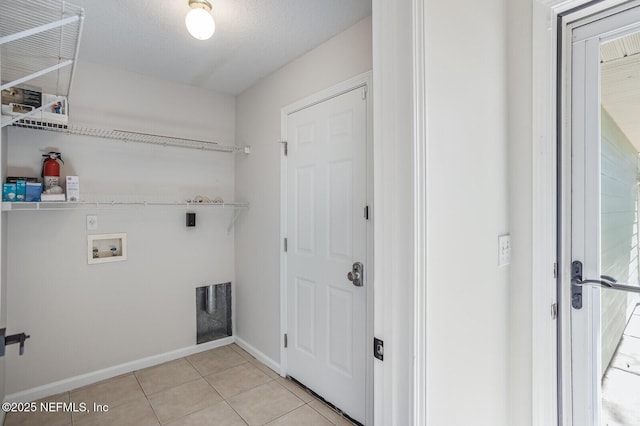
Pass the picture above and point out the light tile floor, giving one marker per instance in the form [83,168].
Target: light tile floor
[223,386]
[621,382]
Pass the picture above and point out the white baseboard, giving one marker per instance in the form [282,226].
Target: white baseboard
[258,355]
[75,382]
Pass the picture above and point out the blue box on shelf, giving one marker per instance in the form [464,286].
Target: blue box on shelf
[8,192]
[34,189]
[21,190]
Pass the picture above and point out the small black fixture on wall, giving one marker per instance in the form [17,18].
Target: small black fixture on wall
[10,340]
[191,219]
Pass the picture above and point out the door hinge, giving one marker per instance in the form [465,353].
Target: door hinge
[286,245]
[555,269]
[286,340]
[364,93]
[378,349]
[554,311]
[366,212]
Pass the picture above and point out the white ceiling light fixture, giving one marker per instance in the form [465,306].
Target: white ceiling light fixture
[199,21]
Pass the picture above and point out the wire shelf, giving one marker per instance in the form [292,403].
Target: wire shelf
[39,41]
[128,136]
[236,207]
[101,205]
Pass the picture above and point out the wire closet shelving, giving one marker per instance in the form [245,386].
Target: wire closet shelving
[39,44]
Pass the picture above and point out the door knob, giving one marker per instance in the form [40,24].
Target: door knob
[355,276]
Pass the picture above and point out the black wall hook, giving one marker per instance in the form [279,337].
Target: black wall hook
[16,338]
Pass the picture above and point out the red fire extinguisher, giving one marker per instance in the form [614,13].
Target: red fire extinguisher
[51,169]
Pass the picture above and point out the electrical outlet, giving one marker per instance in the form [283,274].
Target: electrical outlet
[92,222]
[504,250]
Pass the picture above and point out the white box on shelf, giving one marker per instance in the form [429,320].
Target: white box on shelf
[14,110]
[106,248]
[56,113]
[52,197]
[73,188]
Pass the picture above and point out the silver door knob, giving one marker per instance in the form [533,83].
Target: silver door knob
[355,276]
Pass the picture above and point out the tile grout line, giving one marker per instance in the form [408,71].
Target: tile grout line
[322,415]
[233,408]
[182,384]
[332,410]
[146,397]
[186,358]
[202,376]
[291,411]
[290,391]
[223,398]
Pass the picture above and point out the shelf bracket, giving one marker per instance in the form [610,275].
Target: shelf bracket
[236,215]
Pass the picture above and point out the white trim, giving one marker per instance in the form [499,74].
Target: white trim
[369,380]
[544,374]
[394,208]
[565,389]
[362,80]
[283,235]
[544,332]
[75,382]
[260,356]
[420,212]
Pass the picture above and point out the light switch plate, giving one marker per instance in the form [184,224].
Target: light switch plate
[504,250]
[92,222]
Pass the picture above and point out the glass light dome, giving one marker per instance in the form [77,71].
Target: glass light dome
[200,23]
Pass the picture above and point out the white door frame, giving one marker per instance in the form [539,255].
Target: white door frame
[581,93]
[364,81]
[545,252]
[545,378]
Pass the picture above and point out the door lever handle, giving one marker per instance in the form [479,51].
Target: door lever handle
[607,284]
[598,283]
[605,281]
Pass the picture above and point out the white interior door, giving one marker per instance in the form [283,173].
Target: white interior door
[604,220]
[326,230]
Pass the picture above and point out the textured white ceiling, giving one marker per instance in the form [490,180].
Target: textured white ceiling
[253,37]
[620,84]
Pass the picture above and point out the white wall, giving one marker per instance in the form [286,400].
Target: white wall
[258,242]
[467,190]
[81,317]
